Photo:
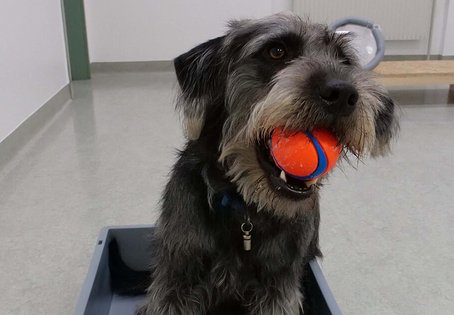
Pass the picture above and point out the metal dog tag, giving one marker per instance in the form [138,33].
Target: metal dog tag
[247,241]
[246,228]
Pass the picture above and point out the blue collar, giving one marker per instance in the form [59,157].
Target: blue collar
[224,200]
[232,200]
[227,202]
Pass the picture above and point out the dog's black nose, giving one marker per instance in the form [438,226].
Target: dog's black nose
[339,96]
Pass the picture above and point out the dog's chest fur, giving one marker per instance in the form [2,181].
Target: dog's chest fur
[194,223]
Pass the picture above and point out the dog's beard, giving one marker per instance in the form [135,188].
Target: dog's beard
[287,105]
[253,183]
[284,106]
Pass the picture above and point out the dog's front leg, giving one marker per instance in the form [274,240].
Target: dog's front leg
[179,285]
[282,297]
[174,295]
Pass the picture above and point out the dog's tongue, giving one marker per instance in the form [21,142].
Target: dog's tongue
[304,155]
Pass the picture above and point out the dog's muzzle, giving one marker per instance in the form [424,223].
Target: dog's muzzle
[283,183]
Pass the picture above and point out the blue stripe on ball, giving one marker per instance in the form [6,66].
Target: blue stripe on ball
[322,160]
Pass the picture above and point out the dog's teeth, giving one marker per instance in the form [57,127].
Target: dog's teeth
[283,176]
[309,183]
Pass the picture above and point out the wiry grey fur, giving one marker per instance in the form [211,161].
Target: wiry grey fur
[232,97]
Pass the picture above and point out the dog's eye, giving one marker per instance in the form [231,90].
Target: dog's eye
[346,62]
[277,52]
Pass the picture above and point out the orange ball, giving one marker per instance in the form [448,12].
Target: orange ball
[305,155]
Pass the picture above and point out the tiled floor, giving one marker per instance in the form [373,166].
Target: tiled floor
[387,227]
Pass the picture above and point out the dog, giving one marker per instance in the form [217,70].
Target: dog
[234,230]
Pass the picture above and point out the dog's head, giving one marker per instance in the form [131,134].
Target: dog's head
[279,71]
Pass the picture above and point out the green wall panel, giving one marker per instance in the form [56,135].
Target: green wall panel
[76,34]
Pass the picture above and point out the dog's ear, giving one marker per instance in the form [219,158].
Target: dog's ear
[386,126]
[202,80]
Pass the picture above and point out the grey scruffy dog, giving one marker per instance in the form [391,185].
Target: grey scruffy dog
[279,71]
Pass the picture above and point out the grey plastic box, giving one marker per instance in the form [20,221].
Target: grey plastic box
[135,244]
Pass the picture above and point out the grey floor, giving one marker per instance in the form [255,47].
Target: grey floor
[387,227]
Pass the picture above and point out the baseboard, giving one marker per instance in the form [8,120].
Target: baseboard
[134,66]
[16,140]
[416,57]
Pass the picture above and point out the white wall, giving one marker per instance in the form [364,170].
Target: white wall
[438,27]
[448,47]
[414,47]
[143,30]
[32,58]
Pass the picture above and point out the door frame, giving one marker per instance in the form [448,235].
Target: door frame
[76,39]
